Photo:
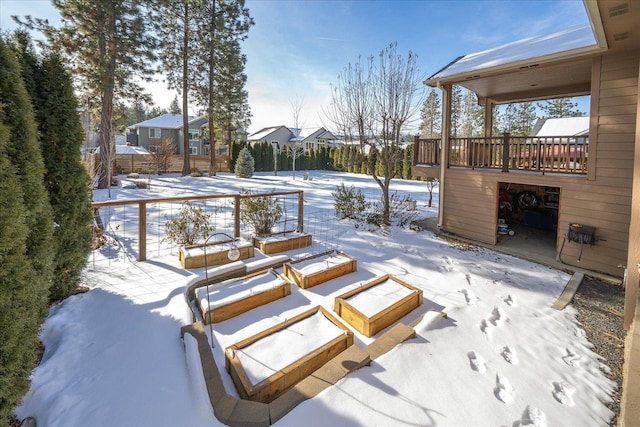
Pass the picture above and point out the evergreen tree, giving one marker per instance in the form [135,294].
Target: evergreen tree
[559,108]
[430,127]
[456,111]
[111,49]
[66,179]
[174,107]
[245,164]
[219,79]
[26,228]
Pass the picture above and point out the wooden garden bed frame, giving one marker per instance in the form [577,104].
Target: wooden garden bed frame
[241,305]
[282,242]
[304,280]
[286,378]
[369,326]
[217,253]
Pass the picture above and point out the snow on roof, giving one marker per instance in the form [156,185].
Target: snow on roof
[263,133]
[165,121]
[566,126]
[534,47]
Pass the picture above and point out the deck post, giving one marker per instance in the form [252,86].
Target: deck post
[300,212]
[505,152]
[142,231]
[236,215]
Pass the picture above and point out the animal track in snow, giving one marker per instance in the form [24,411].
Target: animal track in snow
[469,296]
[497,316]
[477,362]
[562,392]
[508,354]
[532,417]
[485,327]
[509,300]
[503,389]
[572,359]
[448,264]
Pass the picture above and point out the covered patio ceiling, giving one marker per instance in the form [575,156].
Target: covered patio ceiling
[552,66]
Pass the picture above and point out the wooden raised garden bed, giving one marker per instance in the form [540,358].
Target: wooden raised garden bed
[236,296]
[282,242]
[316,269]
[377,304]
[216,253]
[266,365]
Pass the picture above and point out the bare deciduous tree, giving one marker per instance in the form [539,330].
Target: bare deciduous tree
[377,103]
[295,149]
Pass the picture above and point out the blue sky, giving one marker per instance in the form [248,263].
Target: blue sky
[297,48]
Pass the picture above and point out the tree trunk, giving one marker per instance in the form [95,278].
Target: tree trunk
[186,168]
[107,149]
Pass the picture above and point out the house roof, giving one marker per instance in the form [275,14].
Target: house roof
[574,38]
[566,126]
[165,121]
[263,133]
[555,65]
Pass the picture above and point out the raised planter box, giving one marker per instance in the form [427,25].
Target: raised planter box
[230,298]
[316,269]
[217,253]
[377,304]
[266,365]
[282,242]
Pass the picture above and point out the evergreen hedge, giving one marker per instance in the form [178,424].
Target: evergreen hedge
[26,229]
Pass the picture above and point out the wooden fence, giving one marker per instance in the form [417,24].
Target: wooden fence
[142,163]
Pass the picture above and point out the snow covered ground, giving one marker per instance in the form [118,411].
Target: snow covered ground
[503,357]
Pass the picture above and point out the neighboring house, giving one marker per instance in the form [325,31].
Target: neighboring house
[312,138]
[590,177]
[153,132]
[567,126]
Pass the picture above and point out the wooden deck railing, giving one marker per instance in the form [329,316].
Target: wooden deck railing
[557,154]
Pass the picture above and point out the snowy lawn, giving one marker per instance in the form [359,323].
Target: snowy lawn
[503,357]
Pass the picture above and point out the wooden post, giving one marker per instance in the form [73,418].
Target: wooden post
[142,231]
[505,152]
[236,215]
[300,211]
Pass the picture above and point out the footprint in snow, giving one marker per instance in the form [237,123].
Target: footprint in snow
[562,392]
[532,417]
[485,327]
[469,296]
[509,300]
[580,333]
[448,263]
[470,280]
[503,389]
[497,316]
[572,359]
[508,354]
[477,362]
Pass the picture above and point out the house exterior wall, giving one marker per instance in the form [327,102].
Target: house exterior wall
[602,199]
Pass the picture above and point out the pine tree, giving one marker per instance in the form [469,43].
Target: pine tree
[245,164]
[174,107]
[559,108]
[109,43]
[430,127]
[456,111]
[26,228]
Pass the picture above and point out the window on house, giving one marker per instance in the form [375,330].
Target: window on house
[194,134]
[154,132]
[193,150]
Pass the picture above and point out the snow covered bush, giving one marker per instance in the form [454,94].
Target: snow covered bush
[245,164]
[348,202]
[191,224]
[260,212]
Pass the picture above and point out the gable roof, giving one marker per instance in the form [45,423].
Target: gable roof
[565,126]
[165,121]
[263,133]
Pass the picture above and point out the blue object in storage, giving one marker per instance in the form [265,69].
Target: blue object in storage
[538,219]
